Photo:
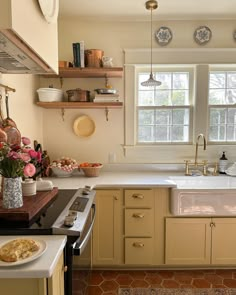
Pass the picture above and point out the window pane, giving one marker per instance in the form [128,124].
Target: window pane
[165,79]
[181,117]
[180,97]
[163,117]
[231,116]
[217,80]
[163,97]
[180,133]
[146,98]
[146,117]
[231,96]
[217,116]
[146,134]
[162,133]
[231,132]
[217,133]
[216,96]
[180,80]
[231,80]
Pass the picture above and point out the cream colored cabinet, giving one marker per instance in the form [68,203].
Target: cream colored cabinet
[200,241]
[139,226]
[36,286]
[107,236]
[31,39]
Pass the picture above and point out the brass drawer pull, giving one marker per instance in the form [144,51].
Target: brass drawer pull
[138,215]
[138,196]
[138,245]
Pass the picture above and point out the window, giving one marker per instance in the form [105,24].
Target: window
[222,109]
[163,112]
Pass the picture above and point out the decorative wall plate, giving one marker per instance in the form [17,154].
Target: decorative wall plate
[202,35]
[84,126]
[50,9]
[163,36]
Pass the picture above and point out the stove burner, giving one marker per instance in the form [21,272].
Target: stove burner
[79,204]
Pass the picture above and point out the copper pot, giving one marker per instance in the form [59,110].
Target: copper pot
[93,58]
[78,95]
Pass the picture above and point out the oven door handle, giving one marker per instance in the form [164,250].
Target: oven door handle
[78,246]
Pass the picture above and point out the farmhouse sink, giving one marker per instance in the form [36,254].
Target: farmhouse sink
[203,196]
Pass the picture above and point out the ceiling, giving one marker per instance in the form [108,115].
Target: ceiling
[135,10]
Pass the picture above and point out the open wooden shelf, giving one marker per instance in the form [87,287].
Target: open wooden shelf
[79,105]
[88,73]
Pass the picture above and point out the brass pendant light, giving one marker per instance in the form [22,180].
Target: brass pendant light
[151,5]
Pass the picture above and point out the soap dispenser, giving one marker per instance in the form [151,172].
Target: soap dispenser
[223,162]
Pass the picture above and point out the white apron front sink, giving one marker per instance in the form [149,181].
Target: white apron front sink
[203,196]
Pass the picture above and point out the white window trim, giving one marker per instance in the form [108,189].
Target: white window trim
[201,57]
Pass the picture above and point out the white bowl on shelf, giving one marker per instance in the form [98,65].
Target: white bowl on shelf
[50,94]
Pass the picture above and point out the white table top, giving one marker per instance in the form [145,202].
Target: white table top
[43,266]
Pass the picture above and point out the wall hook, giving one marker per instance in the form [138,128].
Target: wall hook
[106,112]
[63,114]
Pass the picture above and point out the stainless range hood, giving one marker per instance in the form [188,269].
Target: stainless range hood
[17,58]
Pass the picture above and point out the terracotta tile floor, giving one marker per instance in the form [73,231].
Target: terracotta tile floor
[107,282]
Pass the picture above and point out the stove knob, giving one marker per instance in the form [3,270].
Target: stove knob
[69,221]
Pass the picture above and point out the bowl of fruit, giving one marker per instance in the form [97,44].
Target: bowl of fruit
[63,167]
[90,169]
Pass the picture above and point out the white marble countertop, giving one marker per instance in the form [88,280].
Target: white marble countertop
[108,179]
[43,266]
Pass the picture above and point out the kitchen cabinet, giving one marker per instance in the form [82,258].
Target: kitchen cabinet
[29,39]
[200,241]
[36,286]
[139,226]
[107,234]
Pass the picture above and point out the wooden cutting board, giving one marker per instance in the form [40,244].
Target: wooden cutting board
[33,207]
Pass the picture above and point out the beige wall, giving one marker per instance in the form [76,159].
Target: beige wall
[57,135]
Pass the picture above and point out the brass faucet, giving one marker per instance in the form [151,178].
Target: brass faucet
[196,164]
[204,146]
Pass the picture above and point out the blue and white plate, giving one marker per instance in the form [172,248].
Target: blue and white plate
[202,35]
[163,36]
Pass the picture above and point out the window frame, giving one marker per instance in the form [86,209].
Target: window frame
[217,68]
[165,69]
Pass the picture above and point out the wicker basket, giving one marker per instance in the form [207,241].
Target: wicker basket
[91,171]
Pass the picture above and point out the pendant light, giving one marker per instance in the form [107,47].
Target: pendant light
[151,5]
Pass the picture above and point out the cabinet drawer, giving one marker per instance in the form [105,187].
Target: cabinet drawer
[139,222]
[139,198]
[138,251]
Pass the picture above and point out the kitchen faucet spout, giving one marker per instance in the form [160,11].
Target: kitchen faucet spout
[197,142]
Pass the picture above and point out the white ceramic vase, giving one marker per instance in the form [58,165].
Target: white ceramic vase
[12,193]
[28,187]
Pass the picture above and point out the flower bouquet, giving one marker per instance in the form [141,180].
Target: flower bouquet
[17,162]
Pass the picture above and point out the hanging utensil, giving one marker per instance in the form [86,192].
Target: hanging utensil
[9,126]
[8,121]
[3,135]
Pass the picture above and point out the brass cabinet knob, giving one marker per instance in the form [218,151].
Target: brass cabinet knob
[65,268]
[138,245]
[138,215]
[137,196]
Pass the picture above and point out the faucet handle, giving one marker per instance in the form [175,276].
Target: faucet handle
[187,167]
[204,167]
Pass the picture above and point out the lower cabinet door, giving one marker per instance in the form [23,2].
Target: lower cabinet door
[224,241]
[188,241]
[139,251]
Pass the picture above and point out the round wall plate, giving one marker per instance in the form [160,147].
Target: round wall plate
[163,36]
[202,35]
[84,126]
[50,9]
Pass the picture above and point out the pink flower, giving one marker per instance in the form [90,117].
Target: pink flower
[25,157]
[39,157]
[29,170]
[26,140]
[33,153]
[13,155]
